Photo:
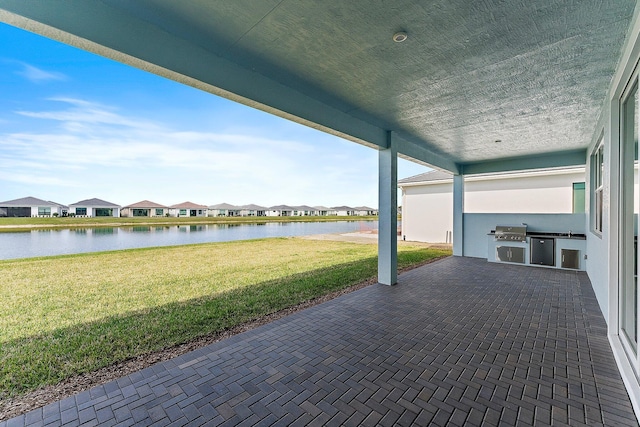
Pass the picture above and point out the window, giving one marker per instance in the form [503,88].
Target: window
[159,212]
[81,211]
[44,211]
[597,186]
[140,212]
[578,197]
[104,212]
[183,212]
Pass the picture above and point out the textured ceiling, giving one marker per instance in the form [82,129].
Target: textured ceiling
[530,74]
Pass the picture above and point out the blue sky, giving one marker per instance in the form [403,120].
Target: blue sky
[74,125]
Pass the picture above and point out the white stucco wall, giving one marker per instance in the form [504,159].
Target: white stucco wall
[427,208]
[427,213]
[541,192]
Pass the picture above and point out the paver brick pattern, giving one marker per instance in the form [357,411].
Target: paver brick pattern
[457,342]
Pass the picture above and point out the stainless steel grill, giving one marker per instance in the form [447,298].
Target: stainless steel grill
[511,233]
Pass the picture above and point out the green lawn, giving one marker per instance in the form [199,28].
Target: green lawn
[66,315]
[21,224]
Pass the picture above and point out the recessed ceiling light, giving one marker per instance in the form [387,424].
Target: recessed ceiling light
[400,36]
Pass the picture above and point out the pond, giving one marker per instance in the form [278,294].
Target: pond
[35,243]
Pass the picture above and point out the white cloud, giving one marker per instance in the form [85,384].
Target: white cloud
[105,153]
[38,75]
[39,180]
[82,116]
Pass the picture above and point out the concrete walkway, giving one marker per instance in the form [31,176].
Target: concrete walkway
[457,342]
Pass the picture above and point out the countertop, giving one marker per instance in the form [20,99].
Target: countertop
[550,235]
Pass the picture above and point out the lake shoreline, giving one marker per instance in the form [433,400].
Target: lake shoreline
[27,224]
[43,241]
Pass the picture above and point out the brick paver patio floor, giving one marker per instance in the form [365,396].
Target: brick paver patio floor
[457,342]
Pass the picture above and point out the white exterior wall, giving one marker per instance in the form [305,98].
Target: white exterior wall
[115,212]
[427,208]
[427,213]
[541,192]
[54,209]
[91,210]
[128,212]
[72,210]
[176,212]
[603,248]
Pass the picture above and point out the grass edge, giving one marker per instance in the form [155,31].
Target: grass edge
[18,405]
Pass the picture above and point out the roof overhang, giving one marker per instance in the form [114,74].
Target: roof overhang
[515,174]
[477,86]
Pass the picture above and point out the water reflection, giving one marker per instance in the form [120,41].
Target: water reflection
[44,242]
[105,230]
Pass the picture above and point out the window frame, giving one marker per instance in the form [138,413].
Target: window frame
[44,211]
[597,187]
[576,187]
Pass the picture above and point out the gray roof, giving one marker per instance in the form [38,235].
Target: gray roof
[225,206]
[28,201]
[187,205]
[434,175]
[95,203]
[145,204]
[342,208]
[253,207]
[281,208]
[363,208]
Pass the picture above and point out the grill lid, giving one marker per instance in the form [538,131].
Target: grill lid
[512,233]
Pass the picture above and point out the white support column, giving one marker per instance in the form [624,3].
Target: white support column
[458,213]
[388,213]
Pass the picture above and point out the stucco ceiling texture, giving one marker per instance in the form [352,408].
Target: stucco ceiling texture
[475,81]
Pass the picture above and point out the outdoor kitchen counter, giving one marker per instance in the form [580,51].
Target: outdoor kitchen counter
[575,236]
[550,235]
[520,250]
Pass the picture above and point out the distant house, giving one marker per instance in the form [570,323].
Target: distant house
[223,209]
[94,208]
[365,211]
[324,211]
[187,209]
[253,210]
[304,210]
[280,210]
[144,208]
[344,211]
[31,207]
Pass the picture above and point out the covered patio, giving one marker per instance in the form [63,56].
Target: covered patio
[459,342]
[465,87]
